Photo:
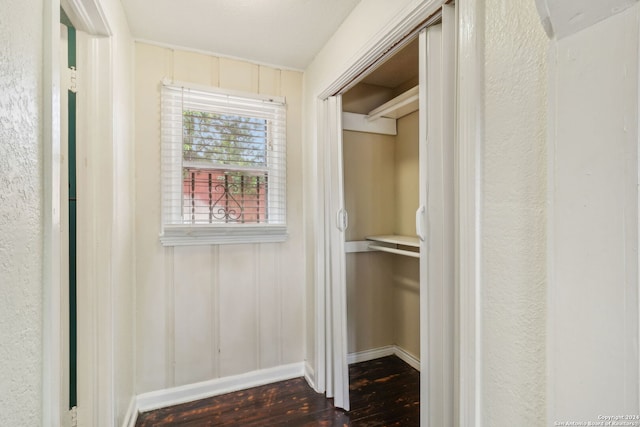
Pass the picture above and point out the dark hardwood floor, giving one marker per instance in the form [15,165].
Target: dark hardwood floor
[383,392]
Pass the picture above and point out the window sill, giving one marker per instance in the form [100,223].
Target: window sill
[186,235]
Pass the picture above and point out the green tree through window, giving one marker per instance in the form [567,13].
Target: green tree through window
[225,174]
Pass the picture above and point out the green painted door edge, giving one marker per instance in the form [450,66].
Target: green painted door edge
[73,310]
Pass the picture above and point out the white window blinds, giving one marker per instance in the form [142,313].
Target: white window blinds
[223,160]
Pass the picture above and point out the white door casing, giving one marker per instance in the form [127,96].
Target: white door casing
[95,315]
[437,83]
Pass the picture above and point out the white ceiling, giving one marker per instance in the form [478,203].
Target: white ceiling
[286,33]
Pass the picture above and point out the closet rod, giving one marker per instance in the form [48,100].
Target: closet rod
[395,251]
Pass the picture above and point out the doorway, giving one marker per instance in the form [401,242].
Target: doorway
[381,189]
[399,252]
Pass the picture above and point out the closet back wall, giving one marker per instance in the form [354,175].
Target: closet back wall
[369,200]
[406,271]
[212,311]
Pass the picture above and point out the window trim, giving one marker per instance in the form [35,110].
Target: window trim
[207,234]
[216,233]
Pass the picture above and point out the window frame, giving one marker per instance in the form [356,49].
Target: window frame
[172,165]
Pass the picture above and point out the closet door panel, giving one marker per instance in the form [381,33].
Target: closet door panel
[437,260]
[337,224]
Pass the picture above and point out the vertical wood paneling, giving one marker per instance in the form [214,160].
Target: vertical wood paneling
[170,326]
[238,75]
[215,71]
[151,67]
[215,310]
[192,67]
[291,273]
[193,315]
[269,321]
[238,335]
[269,81]
[211,311]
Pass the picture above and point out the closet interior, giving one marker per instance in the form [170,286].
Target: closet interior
[381,195]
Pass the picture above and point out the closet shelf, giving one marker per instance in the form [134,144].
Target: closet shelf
[399,106]
[390,243]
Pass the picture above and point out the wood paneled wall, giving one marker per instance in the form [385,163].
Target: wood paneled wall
[211,311]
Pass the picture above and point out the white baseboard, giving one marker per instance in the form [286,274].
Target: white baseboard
[390,350]
[376,353]
[310,375]
[408,358]
[190,392]
[174,396]
[131,416]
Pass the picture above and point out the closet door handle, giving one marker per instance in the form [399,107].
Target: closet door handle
[420,221]
[342,219]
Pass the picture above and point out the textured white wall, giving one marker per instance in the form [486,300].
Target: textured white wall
[513,238]
[21,212]
[212,311]
[593,288]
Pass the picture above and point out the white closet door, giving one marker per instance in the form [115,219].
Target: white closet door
[436,221]
[336,289]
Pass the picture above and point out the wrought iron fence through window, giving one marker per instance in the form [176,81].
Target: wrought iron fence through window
[221,196]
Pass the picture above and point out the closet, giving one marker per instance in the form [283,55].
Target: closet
[389,220]
[380,153]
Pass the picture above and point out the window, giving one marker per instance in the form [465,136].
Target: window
[223,167]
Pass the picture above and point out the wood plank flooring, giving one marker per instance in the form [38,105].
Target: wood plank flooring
[383,392]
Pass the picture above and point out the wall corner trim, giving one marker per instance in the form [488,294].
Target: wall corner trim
[131,416]
[390,350]
[310,375]
[201,390]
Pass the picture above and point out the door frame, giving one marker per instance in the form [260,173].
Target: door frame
[93,379]
[467,157]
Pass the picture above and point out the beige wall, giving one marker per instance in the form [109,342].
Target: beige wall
[406,300]
[406,270]
[369,172]
[211,311]
[406,175]
[369,199]
[381,197]
[370,297]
